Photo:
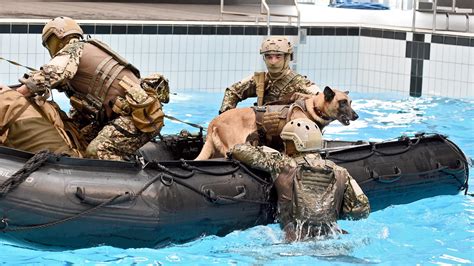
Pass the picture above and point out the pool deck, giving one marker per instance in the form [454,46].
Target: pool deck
[311,14]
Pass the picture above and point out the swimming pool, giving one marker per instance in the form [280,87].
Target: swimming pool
[436,230]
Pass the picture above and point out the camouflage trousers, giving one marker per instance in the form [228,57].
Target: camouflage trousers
[118,140]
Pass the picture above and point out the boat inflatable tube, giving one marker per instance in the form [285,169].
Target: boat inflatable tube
[61,202]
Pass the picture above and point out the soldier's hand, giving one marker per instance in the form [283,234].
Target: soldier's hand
[24,90]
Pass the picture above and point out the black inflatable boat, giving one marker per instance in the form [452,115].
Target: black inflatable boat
[159,199]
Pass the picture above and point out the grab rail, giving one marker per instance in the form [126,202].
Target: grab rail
[265,10]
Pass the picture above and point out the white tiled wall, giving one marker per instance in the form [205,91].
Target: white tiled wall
[213,62]
[383,66]
[450,71]
[330,60]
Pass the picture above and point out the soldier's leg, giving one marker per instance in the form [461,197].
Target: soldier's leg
[117,140]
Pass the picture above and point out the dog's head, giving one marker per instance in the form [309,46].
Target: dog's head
[331,105]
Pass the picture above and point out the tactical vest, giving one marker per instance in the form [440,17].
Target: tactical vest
[271,119]
[276,86]
[318,193]
[95,86]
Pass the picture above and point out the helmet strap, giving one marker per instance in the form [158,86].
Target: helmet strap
[290,148]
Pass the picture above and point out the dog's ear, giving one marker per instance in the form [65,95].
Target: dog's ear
[328,94]
[346,92]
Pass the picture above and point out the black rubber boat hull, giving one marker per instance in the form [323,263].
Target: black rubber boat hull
[177,205]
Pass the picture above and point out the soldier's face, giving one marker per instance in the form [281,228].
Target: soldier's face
[274,58]
[53,45]
[275,62]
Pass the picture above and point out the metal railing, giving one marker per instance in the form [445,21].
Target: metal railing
[266,11]
[447,7]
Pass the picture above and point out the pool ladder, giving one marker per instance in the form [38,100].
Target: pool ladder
[265,11]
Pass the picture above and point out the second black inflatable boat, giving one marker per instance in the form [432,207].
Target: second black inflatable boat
[74,203]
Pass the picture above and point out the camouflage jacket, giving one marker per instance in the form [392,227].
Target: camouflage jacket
[319,190]
[274,91]
[57,72]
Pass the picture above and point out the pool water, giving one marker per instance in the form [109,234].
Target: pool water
[432,231]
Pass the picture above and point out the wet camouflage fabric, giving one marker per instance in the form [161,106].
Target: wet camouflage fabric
[57,72]
[118,144]
[246,88]
[317,192]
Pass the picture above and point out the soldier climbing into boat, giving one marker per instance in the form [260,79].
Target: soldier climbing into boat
[276,86]
[19,117]
[116,110]
[312,192]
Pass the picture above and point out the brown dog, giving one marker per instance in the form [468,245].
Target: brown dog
[236,125]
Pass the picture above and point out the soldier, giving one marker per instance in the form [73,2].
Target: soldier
[104,89]
[312,192]
[275,86]
[19,117]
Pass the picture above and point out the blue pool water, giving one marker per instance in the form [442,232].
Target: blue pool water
[432,231]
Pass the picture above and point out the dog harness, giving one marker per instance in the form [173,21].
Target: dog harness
[271,119]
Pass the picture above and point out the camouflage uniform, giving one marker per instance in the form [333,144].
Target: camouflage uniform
[20,117]
[274,90]
[103,89]
[312,193]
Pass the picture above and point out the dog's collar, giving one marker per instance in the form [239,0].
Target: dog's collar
[321,115]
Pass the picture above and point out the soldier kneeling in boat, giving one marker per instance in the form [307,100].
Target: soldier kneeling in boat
[118,109]
[30,126]
[312,192]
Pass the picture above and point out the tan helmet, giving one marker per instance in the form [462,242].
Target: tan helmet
[61,27]
[276,44]
[304,133]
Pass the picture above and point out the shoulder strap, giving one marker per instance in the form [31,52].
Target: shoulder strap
[259,78]
[14,118]
[259,119]
[104,47]
[39,110]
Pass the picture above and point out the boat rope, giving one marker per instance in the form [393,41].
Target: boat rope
[193,169]
[4,221]
[184,122]
[210,195]
[33,164]
[166,169]
[186,165]
[374,150]
[444,169]
[17,64]
[461,155]
[254,176]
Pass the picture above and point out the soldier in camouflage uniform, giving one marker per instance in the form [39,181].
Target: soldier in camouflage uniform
[109,99]
[275,86]
[19,117]
[312,192]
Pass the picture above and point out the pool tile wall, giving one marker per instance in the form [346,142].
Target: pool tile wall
[211,57]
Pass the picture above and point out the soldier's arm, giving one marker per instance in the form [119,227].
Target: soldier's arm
[306,86]
[62,67]
[262,158]
[237,92]
[355,204]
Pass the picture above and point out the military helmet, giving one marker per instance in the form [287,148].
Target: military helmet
[61,27]
[304,133]
[276,44]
